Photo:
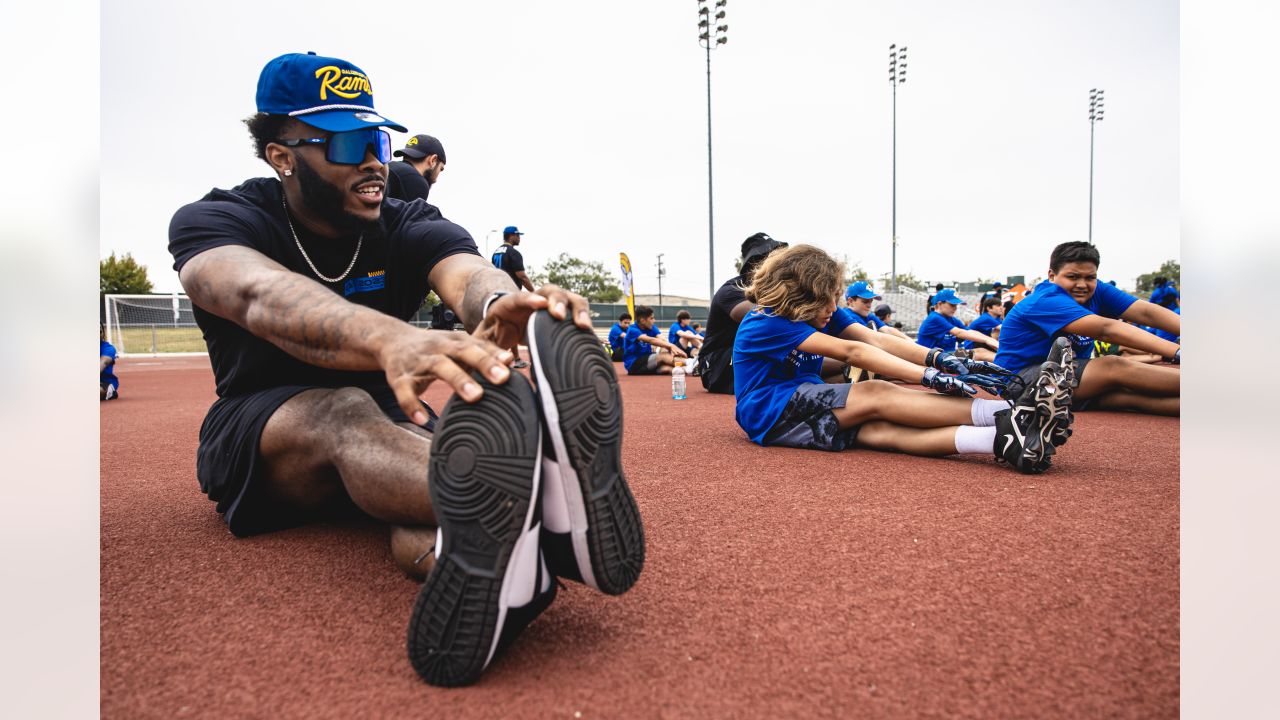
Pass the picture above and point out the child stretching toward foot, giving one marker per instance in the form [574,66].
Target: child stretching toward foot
[781,399]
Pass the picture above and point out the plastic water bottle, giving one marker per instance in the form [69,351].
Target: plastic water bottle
[677,382]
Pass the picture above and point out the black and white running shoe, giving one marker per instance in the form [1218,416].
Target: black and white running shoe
[1025,432]
[591,526]
[489,579]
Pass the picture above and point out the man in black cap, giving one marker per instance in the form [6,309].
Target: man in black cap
[302,284]
[412,178]
[728,308]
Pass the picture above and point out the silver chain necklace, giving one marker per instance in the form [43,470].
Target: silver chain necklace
[319,274]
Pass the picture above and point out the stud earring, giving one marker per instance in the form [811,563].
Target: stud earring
[288,173]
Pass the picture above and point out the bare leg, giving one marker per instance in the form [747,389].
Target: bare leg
[1126,400]
[880,400]
[832,371]
[1123,384]
[983,354]
[324,446]
[666,361]
[882,435]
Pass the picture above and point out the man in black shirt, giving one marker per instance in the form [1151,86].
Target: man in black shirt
[302,285]
[509,260]
[728,308]
[413,177]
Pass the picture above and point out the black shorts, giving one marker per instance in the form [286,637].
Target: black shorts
[716,370]
[644,365]
[616,354]
[808,421]
[1029,375]
[229,465]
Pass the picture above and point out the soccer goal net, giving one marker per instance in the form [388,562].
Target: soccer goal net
[151,324]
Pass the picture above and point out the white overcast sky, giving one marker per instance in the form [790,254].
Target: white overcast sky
[584,123]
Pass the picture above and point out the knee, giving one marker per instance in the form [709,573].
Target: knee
[876,433]
[348,403]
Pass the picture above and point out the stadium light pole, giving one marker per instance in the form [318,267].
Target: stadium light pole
[1095,116]
[897,76]
[712,33]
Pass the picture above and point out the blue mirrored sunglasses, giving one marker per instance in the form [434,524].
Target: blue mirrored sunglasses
[349,148]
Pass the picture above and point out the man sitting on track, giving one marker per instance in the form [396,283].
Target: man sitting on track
[302,285]
[1073,304]
[728,307]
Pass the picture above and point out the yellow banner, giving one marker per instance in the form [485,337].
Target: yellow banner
[627,288]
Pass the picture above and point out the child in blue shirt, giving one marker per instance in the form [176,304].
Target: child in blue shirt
[681,334]
[941,329]
[988,323]
[781,399]
[108,383]
[859,298]
[638,356]
[1073,304]
[617,334]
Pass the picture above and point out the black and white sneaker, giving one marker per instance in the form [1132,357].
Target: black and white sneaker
[591,526]
[489,580]
[1062,354]
[1025,432]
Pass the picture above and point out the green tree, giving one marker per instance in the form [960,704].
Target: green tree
[1170,269]
[904,280]
[587,278]
[122,276]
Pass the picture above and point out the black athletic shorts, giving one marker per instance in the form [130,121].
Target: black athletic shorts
[1029,375]
[228,462]
[716,370]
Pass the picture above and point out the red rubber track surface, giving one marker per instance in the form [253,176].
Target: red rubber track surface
[779,583]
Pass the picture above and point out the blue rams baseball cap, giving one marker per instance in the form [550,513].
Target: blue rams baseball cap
[947,295]
[862,289]
[511,230]
[323,92]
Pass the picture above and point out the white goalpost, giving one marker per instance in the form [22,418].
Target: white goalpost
[152,325]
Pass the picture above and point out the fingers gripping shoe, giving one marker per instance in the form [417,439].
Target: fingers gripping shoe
[1024,432]
[489,580]
[1063,356]
[591,526]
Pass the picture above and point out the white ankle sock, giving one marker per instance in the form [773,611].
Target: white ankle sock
[984,412]
[975,440]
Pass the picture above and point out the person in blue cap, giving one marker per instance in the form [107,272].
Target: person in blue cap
[1072,304]
[1166,295]
[942,329]
[860,297]
[509,260]
[302,284]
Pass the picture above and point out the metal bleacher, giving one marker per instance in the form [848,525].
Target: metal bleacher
[909,307]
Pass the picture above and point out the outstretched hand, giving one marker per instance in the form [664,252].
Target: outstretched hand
[413,360]
[508,316]
[947,384]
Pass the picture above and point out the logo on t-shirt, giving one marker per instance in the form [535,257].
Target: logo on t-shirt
[376,280]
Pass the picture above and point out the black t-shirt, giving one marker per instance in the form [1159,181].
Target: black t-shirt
[389,276]
[404,182]
[509,260]
[722,329]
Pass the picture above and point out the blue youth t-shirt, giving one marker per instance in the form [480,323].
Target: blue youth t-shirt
[106,349]
[840,319]
[935,331]
[870,321]
[984,324]
[633,349]
[675,339]
[1030,327]
[616,334]
[768,367]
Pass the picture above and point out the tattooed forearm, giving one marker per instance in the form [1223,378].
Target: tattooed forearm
[484,282]
[296,314]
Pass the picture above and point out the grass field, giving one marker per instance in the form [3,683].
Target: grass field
[158,339]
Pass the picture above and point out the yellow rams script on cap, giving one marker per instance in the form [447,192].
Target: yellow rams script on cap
[343,83]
